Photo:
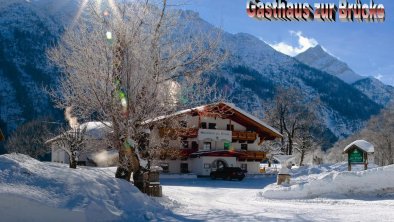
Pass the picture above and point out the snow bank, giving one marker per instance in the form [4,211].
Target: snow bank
[335,183]
[35,191]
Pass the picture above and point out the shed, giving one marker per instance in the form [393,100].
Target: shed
[359,152]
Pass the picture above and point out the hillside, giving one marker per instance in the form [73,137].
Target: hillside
[318,58]
[375,90]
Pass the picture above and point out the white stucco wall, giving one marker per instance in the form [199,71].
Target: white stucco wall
[252,167]
[59,155]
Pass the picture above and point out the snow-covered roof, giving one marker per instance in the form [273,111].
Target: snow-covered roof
[94,130]
[361,144]
[250,116]
[172,115]
[230,105]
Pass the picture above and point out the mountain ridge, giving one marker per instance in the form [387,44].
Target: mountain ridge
[250,75]
[317,57]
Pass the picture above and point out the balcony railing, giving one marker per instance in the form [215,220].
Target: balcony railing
[211,133]
[246,136]
[252,155]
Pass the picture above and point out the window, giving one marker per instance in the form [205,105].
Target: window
[207,145]
[207,166]
[185,144]
[230,127]
[165,167]
[212,126]
[183,123]
[194,145]
[244,166]
[184,168]
[203,125]
[244,146]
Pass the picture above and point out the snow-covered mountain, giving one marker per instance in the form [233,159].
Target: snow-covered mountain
[254,71]
[376,90]
[251,74]
[319,58]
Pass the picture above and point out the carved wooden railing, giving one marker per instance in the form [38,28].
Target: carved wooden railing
[247,136]
[252,155]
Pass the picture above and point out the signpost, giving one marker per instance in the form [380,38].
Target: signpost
[358,152]
[356,156]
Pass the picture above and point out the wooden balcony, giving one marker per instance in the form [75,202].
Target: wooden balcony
[246,136]
[175,133]
[252,156]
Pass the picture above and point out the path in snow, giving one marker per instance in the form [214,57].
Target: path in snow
[217,200]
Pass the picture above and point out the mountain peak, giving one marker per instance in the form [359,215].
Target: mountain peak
[317,48]
[317,57]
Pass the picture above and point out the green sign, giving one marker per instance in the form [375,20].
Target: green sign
[227,145]
[356,156]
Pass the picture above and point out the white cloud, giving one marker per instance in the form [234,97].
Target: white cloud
[379,76]
[304,43]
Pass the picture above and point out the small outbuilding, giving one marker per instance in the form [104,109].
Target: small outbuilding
[359,152]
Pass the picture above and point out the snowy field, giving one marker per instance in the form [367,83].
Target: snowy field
[207,200]
[35,191]
[324,193]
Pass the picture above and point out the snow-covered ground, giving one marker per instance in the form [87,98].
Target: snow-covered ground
[35,191]
[208,200]
[333,181]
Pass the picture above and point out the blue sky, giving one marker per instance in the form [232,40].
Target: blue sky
[366,47]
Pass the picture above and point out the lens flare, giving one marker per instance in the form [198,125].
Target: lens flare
[109,35]
[79,13]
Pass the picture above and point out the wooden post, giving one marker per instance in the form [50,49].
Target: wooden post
[365,160]
[152,185]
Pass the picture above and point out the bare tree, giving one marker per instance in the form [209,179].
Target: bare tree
[126,64]
[292,114]
[29,139]
[309,135]
[377,131]
[73,142]
[272,148]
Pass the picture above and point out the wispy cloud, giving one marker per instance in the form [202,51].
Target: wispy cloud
[379,76]
[304,43]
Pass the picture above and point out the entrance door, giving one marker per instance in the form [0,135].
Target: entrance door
[184,168]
